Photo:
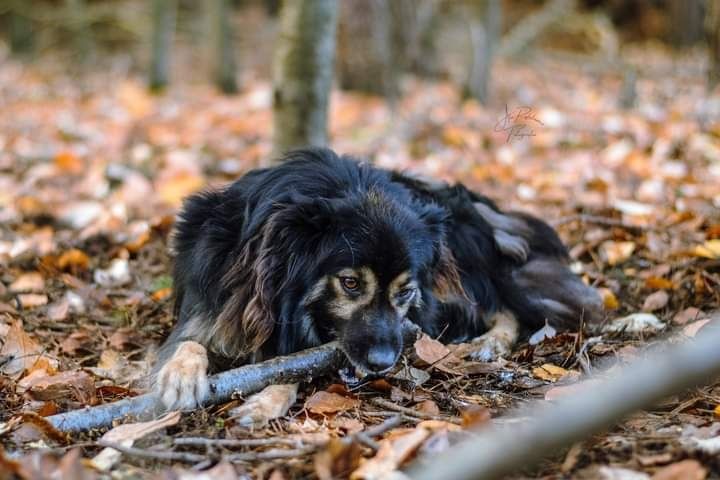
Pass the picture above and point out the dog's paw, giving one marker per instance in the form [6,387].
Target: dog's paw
[489,347]
[182,382]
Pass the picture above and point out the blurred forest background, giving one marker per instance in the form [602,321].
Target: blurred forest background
[601,116]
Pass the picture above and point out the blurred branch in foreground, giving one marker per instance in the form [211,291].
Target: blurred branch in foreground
[498,451]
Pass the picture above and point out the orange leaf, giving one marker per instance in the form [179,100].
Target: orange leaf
[326,402]
[73,260]
[68,162]
[659,283]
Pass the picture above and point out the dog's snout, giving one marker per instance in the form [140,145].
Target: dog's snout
[381,357]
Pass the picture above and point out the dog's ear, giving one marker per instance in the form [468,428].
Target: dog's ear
[447,285]
[269,261]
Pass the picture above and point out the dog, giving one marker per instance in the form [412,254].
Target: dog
[324,247]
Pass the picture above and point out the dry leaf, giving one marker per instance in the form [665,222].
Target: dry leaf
[615,253]
[656,301]
[68,162]
[126,435]
[549,372]
[429,407]
[325,402]
[474,415]
[71,384]
[337,459]
[716,411]
[32,300]
[28,282]
[116,275]
[610,301]
[709,249]
[73,260]
[692,329]
[659,283]
[272,402]
[161,294]
[685,470]
[392,454]
[429,350]
[23,351]
[687,315]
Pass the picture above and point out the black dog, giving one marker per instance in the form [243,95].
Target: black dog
[322,247]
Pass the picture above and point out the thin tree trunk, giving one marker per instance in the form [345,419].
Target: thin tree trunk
[20,30]
[163,18]
[485,28]
[712,31]
[81,37]
[223,52]
[303,68]
[686,20]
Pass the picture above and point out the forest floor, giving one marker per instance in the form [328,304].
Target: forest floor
[93,168]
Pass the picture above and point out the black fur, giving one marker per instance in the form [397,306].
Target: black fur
[248,255]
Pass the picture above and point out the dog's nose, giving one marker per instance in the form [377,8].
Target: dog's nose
[380,357]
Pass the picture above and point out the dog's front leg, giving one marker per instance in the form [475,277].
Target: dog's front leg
[499,340]
[182,381]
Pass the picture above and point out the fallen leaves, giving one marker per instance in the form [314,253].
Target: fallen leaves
[614,253]
[549,372]
[635,323]
[28,282]
[23,352]
[685,470]
[393,453]
[74,384]
[272,402]
[656,301]
[709,249]
[323,403]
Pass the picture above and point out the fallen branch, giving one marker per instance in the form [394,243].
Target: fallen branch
[498,451]
[247,379]
[300,366]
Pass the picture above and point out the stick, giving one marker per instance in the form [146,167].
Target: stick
[498,451]
[248,379]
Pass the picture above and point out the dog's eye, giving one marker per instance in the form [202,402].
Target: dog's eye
[406,293]
[350,284]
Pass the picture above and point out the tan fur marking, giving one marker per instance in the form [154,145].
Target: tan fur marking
[344,305]
[399,283]
[500,339]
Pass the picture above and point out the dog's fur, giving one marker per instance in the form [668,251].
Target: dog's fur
[323,247]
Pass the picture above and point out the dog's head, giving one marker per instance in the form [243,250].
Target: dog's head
[349,269]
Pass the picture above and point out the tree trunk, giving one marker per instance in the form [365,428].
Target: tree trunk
[485,23]
[686,21]
[712,31]
[303,68]
[163,27]
[79,28]
[20,30]
[368,69]
[223,53]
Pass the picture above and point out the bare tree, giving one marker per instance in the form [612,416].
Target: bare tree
[164,13]
[686,21]
[222,51]
[485,25]
[20,29]
[303,68]
[712,31]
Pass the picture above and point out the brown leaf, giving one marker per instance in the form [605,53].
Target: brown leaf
[685,470]
[325,402]
[392,454]
[59,310]
[659,283]
[688,315]
[431,351]
[656,301]
[76,341]
[474,415]
[692,329]
[337,459]
[429,407]
[610,301]
[615,253]
[32,300]
[709,249]
[272,402]
[126,435]
[24,352]
[71,384]
[73,260]
[28,282]
[549,372]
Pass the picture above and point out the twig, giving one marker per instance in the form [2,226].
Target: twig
[496,452]
[381,402]
[300,366]
[236,442]
[154,454]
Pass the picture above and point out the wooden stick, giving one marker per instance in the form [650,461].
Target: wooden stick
[247,379]
[498,451]
[300,366]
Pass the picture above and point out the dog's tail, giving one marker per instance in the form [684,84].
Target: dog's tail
[538,284]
